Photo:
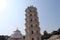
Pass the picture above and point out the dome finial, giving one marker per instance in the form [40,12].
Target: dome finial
[17,28]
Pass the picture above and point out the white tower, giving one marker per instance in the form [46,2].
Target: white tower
[32,24]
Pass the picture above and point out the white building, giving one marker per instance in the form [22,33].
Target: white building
[16,35]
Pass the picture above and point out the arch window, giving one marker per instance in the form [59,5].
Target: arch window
[31,20]
[31,25]
[32,38]
[30,10]
[30,14]
[31,32]
[37,38]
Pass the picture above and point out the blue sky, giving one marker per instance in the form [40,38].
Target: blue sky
[12,15]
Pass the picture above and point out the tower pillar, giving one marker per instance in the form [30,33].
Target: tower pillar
[32,24]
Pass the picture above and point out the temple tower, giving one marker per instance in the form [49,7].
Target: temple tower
[32,24]
[16,35]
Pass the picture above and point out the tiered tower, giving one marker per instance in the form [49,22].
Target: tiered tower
[32,24]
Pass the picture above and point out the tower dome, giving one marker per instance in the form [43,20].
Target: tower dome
[16,34]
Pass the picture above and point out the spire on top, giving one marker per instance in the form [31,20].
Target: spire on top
[17,28]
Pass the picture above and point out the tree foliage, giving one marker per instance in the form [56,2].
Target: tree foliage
[47,35]
[2,37]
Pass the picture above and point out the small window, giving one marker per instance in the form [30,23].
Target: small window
[31,20]
[32,38]
[30,14]
[34,15]
[31,25]
[30,10]
[36,25]
[32,32]
[37,38]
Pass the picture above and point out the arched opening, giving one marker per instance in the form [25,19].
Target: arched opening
[32,38]
[31,32]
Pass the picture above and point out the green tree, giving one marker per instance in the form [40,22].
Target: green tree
[2,38]
[45,33]
[59,31]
